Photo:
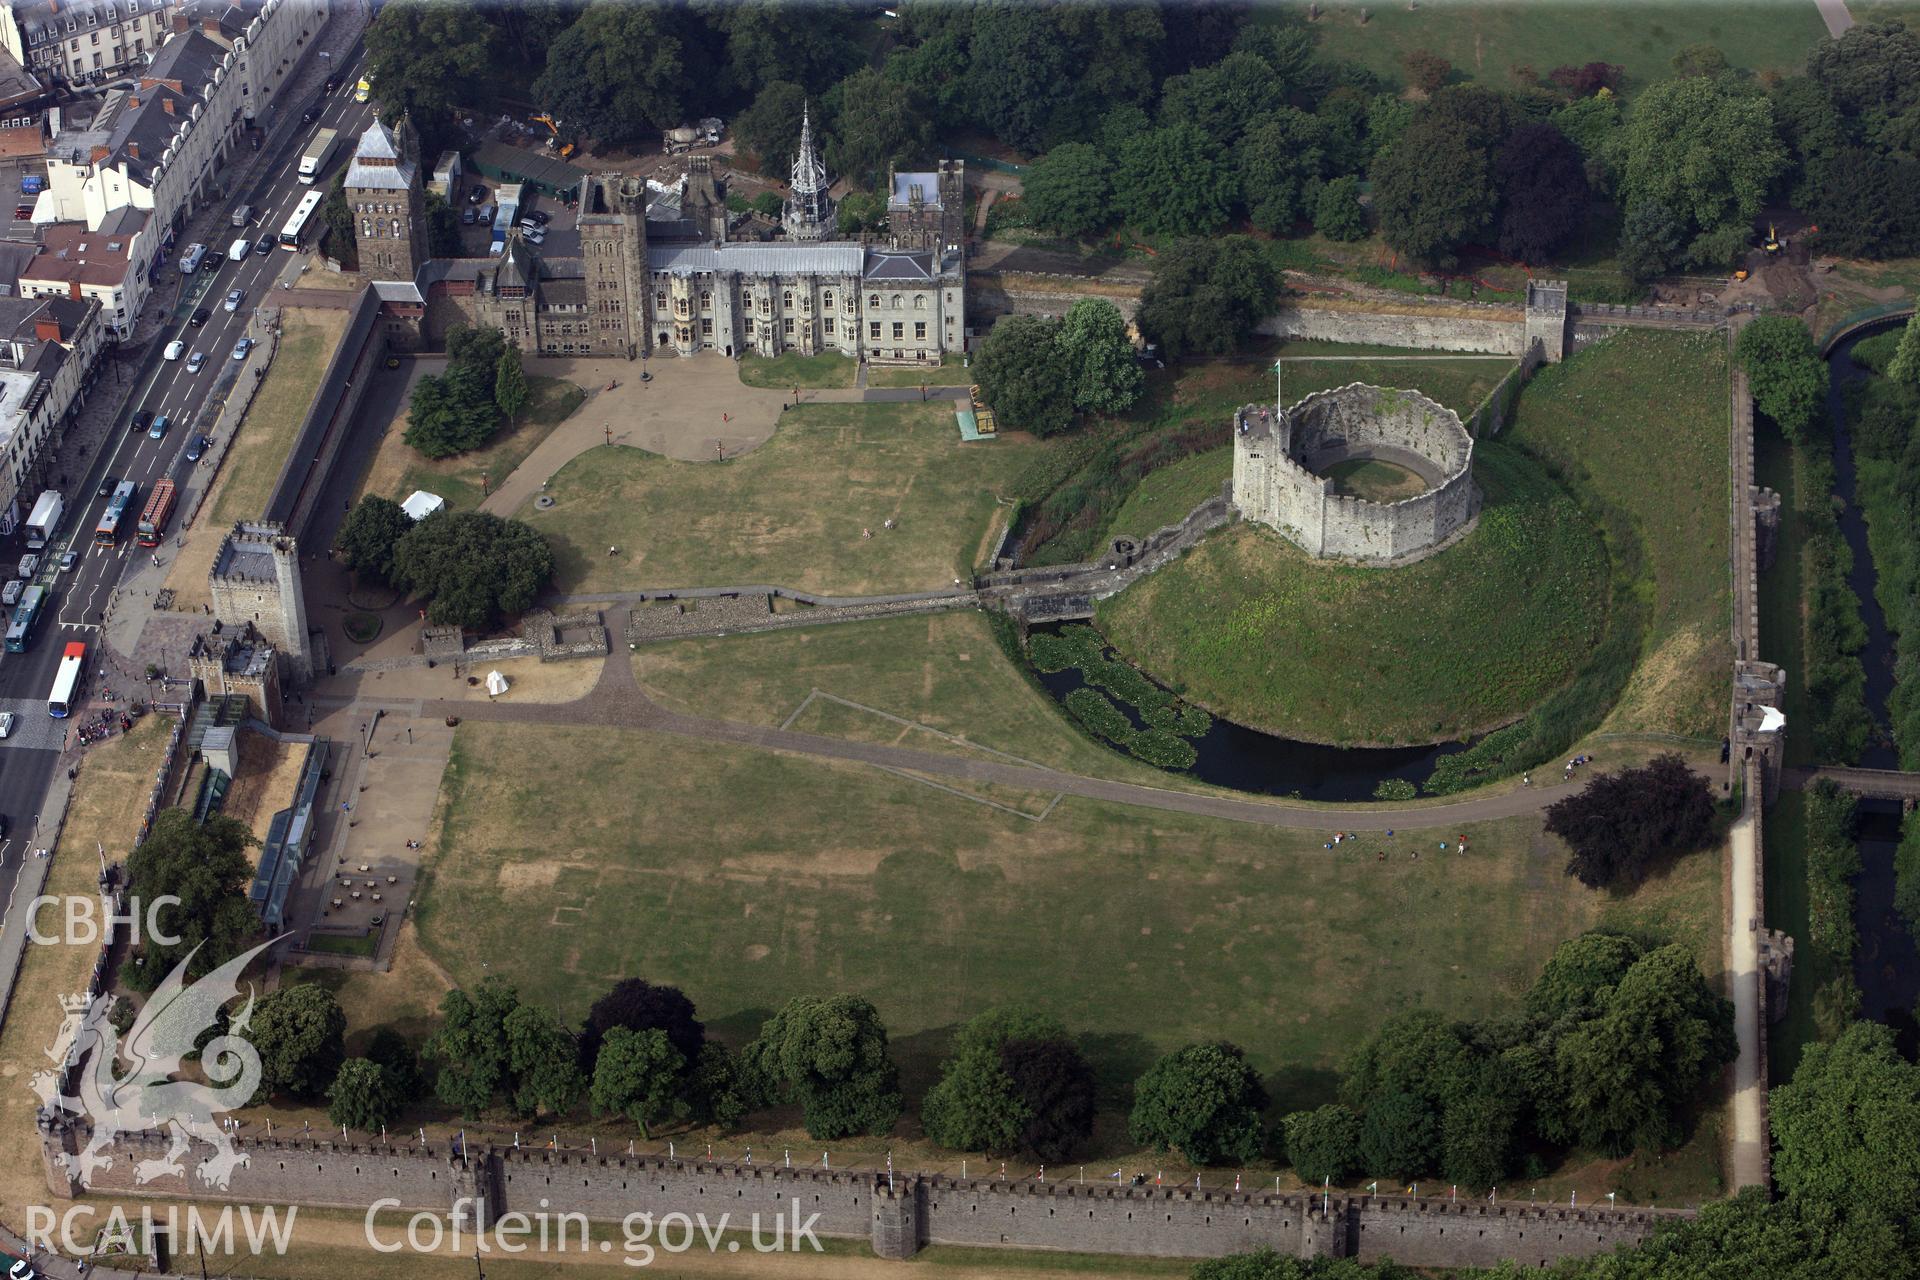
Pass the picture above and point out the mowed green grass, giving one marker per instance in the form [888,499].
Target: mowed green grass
[792,371]
[1639,424]
[259,451]
[1167,494]
[748,877]
[791,512]
[1255,630]
[1484,41]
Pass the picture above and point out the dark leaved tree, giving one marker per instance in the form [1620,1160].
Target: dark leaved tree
[1206,296]
[368,536]
[472,567]
[205,866]
[1054,1081]
[1624,826]
[639,1005]
[1024,375]
[300,1033]
[1069,190]
[1543,192]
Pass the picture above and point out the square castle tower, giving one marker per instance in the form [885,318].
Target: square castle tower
[255,583]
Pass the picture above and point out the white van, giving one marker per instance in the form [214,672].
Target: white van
[191,259]
[237,251]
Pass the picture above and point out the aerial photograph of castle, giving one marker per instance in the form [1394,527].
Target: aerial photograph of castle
[1207,639]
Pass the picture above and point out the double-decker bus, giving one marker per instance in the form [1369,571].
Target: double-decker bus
[153,520]
[33,602]
[297,224]
[66,681]
[107,532]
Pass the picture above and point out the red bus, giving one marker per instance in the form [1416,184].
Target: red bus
[153,520]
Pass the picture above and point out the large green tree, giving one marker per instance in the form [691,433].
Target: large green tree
[300,1033]
[1203,1101]
[452,412]
[1323,1145]
[975,1107]
[1175,181]
[1069,190]
[473,568]
[1222,100]
[769,130]
[881,122]
[624,72]
[1280,163]
[1706,149]
[468,1049]
[1626,1079]
[1104,375]
[510,390]
[1847,1129]
[812,44]
[639,1074]
[639,1005]
[205,865]
[1055,1082]
[1206,296]
[1580,974]
[428,57]
[544,1060]
[362,1096]
[829,1054]
[1785,373]
[1023,374]
[1337,214]
[1433,192]
[368,536]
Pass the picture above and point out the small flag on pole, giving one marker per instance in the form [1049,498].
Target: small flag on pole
[1373,1187]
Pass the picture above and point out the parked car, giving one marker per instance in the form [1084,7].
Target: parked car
[142,419]
[159,427]
[476,193]
[196,361]
[540,217]
[199,317]
[22,212]
[234,298]
[211,262]
[29,565]
[241,348]
[10,594]
[536,236]
[468,217]
[197,446]
[106,487]
[175,349]
[68,559]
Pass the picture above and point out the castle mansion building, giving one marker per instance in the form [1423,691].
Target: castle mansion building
[657,271]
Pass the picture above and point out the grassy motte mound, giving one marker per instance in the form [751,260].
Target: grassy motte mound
[1258,631]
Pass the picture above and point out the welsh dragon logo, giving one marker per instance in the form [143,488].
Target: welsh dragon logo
[124,1086]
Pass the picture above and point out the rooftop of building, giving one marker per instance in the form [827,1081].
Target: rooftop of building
[906,186]
[21,318]
[71,254]
[825,258]
[240,652]
[378,164]
[186,62]
[40,19]
[247,552]
[17,84]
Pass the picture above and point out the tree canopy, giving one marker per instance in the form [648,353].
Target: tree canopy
[1024,375]
[1543,192]
[1786,374]
[428,57]
[1624,825]
[624,72]
[1014,1083]
[1323,1144]
[300,1033]
[1175,181]
[1705,149]
[1069,189]
[639,1005]
[472,568]
[1206,296]
[1203,1101]
[880,122]
[205,865]
[1101,369]
[362,1096]
[638,1074]
[368,536]
[769,130]
[830,1055]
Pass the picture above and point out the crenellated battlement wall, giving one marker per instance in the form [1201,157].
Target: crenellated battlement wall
[897,1214]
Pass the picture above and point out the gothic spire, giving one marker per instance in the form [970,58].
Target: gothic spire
[809,175]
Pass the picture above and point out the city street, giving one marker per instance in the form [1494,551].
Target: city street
[80,596]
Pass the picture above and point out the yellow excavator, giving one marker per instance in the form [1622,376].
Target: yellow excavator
[553,130]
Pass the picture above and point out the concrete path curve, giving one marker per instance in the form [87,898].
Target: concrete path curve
[617,702]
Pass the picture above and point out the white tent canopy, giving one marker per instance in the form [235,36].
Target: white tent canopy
[496,684]
[420,504]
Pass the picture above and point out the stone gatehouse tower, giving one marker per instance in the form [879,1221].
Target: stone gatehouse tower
[389,212]
[255,583]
